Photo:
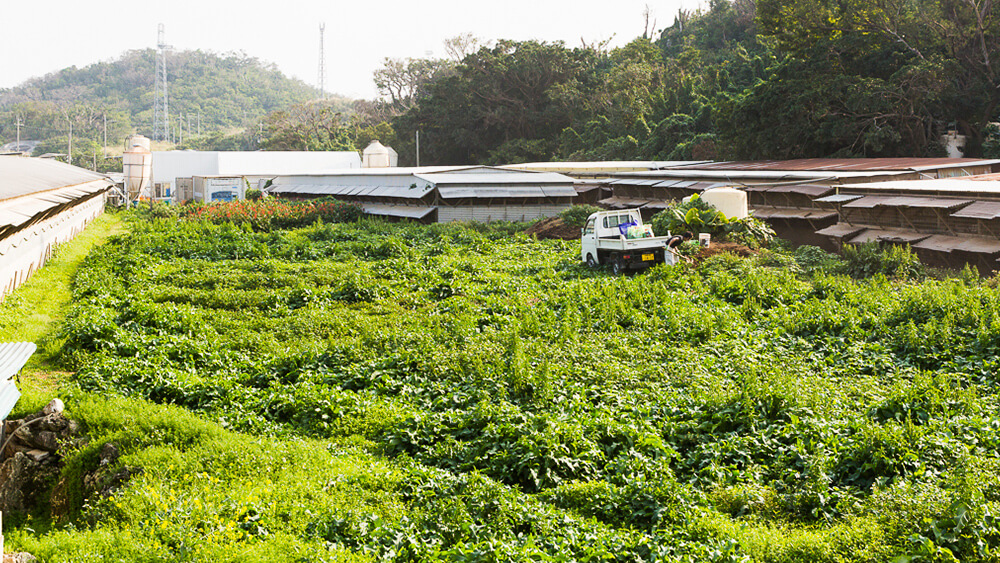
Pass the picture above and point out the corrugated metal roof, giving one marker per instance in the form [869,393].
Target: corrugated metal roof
[840,230]
[951,185]
[20,176]
[602,167]
[791,213]
[486,192]
[17,212]
[559,191]
[838,198]
[408,211]
[764,176]
[869,202]
[980,210]
[358,191]
[843,164]
[658,204]
[810,190]
[495,177]
[888,235]
[622,202]
[943,243]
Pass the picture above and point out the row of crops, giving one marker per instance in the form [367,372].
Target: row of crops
[471,393]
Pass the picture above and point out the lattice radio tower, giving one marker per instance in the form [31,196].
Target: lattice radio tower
[161,113]
[322,63]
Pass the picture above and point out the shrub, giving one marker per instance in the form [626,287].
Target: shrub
[870,259]
[576,215]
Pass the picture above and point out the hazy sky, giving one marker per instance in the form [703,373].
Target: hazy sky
[39,38]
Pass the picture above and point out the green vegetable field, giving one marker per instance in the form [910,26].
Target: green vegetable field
[371,391]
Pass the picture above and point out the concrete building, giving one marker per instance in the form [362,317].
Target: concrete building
[168,166]
[42,203]
[439,193]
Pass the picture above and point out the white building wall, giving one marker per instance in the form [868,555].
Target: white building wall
[25,251]
[487,213]
[169,165]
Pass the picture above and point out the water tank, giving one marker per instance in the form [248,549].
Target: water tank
[137,164]
[730,201]
[377,155]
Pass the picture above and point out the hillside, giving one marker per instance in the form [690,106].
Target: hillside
[210,93]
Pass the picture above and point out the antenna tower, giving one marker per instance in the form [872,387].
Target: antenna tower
[161,113]
[322,63]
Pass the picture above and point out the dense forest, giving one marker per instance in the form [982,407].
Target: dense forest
[742,79]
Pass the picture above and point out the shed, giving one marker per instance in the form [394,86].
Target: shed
[441,193]
[42,203]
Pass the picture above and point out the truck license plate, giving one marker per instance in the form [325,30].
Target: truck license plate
[647,257]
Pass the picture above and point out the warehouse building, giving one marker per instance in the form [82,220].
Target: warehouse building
[783,193]
[592,178]
[251,166]
[439,193]
[948,222]
[42,203]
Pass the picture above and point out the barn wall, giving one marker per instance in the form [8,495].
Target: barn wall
[27,250]
[487,213]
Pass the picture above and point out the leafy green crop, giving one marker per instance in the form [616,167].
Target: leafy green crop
[530,408]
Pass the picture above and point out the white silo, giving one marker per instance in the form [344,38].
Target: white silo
[730,201]
[377,155]
[137,164]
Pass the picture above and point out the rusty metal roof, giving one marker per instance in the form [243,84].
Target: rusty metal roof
[622,202]
[838,198]
[888,235]
[869,202]
[943,243]
[980,210]
[842,164]
[791,213]
[840,230]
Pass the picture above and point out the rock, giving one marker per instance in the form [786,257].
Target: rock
[98,483]
[37,455]
[39,432]
[55,406]
[23,480]
[106,480]
[20,557]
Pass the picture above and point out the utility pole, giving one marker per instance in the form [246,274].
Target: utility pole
[105,136]
[69,155]
[418,148]
[18,123]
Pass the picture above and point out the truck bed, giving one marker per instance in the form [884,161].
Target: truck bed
[631,244]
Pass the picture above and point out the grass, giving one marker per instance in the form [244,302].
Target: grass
[467,393]
[33,311]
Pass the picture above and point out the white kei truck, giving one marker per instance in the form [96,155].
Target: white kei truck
[604,240]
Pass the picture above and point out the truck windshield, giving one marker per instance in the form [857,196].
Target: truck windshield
[589,230]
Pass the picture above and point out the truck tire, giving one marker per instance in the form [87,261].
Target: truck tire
[617,268]
[590,260]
